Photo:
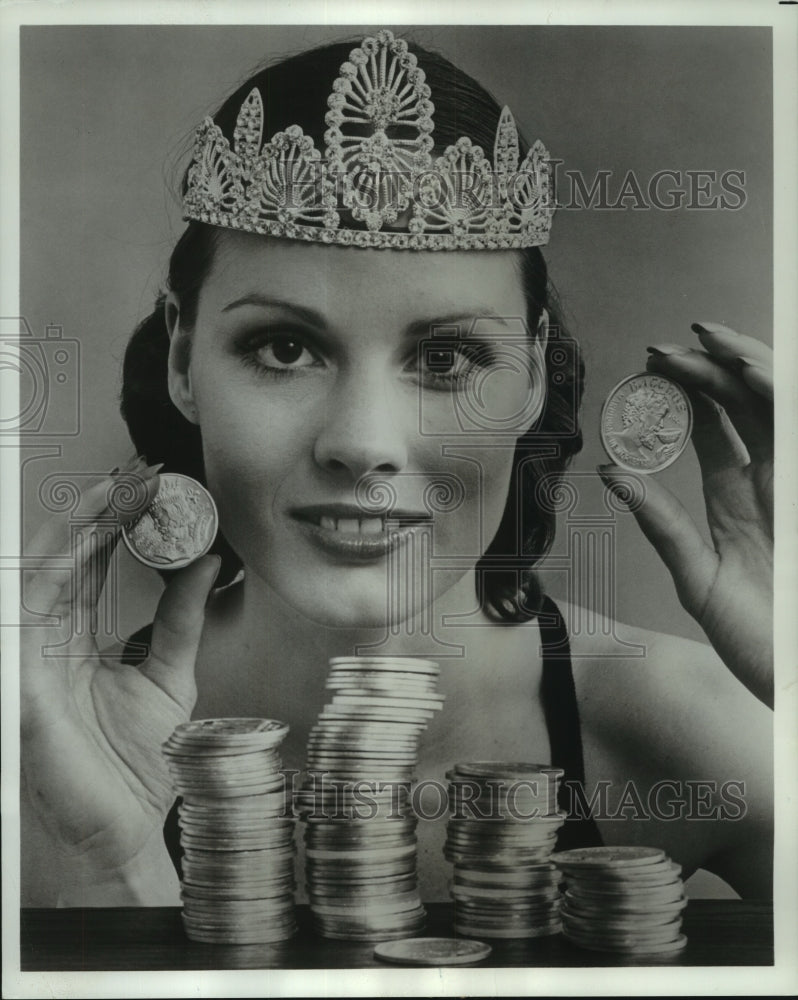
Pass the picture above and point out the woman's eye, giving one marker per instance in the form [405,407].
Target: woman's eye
[451,365]
[442,361]
[282,352]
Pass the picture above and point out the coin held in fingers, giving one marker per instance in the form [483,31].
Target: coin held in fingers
[177,528]
[646,422]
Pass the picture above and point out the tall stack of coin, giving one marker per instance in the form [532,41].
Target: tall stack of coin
[237,830]
[500,837]
[356,801]
[622,899]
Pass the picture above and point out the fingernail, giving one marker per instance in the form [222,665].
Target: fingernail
[742,362]
[114,471]
[133,463]
[624,491]
[664,350]
[712,328]
[149,471]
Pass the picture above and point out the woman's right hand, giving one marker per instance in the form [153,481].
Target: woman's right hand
[726,582]
[92,727]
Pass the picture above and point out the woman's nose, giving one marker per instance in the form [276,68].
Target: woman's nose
[362,430]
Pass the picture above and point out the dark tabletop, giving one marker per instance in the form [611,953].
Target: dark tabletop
[719,932]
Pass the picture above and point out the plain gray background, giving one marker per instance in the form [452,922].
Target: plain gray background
[107,115]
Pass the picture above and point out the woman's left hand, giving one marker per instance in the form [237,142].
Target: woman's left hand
[726,586]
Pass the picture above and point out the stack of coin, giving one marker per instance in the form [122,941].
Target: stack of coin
[500,838]
[237,830]
[622,899]
[356,801]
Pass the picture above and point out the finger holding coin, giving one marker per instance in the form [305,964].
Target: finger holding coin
[119,496]
[726,584]
[731,347]
[719,372]
[748,357]
[638,437]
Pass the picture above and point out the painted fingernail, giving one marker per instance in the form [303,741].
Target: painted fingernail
[743,362]
[149,471]
[133,463]
[664,350]
[712,328]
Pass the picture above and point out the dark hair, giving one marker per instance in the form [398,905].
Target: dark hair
[295,91]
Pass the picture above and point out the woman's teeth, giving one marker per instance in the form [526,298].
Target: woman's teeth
[353,525]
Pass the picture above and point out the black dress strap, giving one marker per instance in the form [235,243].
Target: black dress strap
[558,696]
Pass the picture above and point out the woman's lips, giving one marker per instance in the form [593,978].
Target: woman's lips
[353,535]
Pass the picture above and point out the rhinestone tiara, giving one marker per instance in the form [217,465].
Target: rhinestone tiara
[377,183]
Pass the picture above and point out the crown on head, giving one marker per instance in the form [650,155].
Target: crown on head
[377,170]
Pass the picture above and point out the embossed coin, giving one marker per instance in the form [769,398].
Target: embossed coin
[432,951]
[177,528]
[646,422]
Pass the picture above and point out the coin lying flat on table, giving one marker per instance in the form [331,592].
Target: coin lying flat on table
[432,951]
[177,528]
[646,422]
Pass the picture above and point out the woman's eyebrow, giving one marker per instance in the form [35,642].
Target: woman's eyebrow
[442,324]
[419,328]
[258,299]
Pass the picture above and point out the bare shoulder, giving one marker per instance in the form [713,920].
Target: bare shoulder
[672,736]
[666,681]
[674,711]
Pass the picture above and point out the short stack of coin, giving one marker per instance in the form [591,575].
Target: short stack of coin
[360,833]
[237,830]
[500,838]
[622,899]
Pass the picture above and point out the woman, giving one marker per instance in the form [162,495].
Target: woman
[287,375]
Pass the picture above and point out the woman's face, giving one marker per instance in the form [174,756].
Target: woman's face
[359,411]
